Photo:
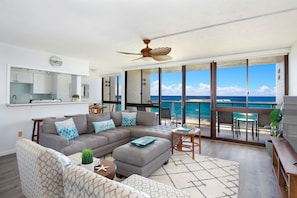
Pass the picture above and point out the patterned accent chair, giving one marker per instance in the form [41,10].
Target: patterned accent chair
[47,173]
[40,169]
[79,182]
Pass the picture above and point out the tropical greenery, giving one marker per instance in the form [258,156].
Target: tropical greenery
[275,117]
[87,156]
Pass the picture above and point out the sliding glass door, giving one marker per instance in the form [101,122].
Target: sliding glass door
[246,91]
[226,99]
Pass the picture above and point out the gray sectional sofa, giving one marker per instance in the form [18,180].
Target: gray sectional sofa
[103,142]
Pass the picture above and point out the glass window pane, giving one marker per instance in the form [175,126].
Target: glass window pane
[198,97]
[265,82]
[231,83]
[172,90]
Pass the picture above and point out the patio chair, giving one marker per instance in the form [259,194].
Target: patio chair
[141,108]
[167,116]
[226,118]
[263,122]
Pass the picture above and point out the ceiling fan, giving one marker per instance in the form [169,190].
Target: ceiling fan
[158,54]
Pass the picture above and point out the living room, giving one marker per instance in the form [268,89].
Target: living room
[16,51]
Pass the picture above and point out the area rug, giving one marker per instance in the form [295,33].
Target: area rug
[204,177]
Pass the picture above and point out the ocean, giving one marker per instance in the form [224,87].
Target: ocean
[202,103]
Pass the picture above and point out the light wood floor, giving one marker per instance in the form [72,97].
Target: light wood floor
[256,177]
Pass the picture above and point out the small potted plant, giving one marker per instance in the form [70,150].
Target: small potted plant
[275,117]
[75,97]
[87,159]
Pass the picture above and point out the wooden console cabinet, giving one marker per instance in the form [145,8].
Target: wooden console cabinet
[283,159]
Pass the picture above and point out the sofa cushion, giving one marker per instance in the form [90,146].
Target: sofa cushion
[116,134]
[84,141]
[129,118]
[116,117]
[96,118]
[67,129]
[48,125]
[146,118]
[103,125]
[157,131]
[81,123]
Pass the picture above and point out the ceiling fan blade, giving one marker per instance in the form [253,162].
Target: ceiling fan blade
[160,51]
[129,53]
[138,58]
[161,57]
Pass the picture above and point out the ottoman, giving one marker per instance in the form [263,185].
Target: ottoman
[143,161]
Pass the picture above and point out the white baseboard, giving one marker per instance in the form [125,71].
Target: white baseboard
[7,152]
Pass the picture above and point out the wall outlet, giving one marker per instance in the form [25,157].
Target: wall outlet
[20,133]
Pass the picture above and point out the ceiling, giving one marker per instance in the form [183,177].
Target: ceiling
[195,29]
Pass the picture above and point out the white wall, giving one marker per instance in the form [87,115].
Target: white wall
[14,119]
[63,82]
[134,86]
[95,84]
[280,82]
[293,70]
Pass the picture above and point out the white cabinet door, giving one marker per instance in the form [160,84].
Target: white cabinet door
[21,76]
[43,83]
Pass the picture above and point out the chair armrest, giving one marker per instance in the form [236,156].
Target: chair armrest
[80,182]
[53,141]
[152,187]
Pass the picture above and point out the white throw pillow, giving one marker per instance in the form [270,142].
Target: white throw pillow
[67,129]
[129,118]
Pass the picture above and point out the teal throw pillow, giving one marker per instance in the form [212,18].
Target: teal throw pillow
[67,129]
[103,125]
[129,118]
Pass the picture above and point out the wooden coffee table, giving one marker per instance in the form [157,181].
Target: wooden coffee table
[110,171]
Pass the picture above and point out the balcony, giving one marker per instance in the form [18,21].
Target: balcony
[243,126]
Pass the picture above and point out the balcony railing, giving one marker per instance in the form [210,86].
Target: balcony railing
[199,110]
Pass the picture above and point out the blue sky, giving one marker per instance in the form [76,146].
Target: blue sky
[230,82]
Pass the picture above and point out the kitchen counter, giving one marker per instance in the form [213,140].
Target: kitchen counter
[45,103]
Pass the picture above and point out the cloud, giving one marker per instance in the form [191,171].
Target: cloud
[201,90]
[231,91]
[167,90]
[263,89]
[204,90]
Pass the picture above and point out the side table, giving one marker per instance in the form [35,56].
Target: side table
[186,141]
[110,171]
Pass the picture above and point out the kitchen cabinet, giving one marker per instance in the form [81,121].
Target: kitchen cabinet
[21,76]
[42,83]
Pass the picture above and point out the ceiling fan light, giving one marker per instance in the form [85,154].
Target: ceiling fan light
[147,58]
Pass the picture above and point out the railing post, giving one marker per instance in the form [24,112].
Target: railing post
[199,110]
